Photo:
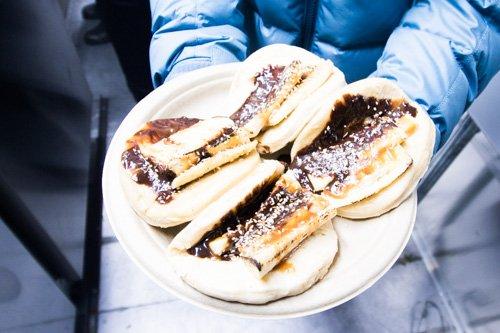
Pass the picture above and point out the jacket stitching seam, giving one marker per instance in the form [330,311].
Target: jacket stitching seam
[198,26]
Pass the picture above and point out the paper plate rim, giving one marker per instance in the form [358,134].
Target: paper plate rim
[154,99]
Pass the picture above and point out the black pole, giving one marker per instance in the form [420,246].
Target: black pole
[35,239]
[88,311]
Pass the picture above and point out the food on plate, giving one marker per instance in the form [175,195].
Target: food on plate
[276,90]
[264,239]
[260,229]
[171,161]
[366,148]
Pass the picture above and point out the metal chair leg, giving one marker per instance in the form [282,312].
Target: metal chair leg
[88,309]
[463,133]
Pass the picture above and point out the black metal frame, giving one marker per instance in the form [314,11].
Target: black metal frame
[82,291]
[460,137]
[88,297]
[463,133]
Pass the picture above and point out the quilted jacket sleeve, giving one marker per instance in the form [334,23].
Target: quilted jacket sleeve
[443,54]
[190,34]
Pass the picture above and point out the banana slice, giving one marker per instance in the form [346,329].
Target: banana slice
[192,152]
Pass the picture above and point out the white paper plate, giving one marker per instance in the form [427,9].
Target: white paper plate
[367,249]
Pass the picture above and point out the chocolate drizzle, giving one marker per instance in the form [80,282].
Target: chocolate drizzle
[271,215]
[222,137]
[156,130]
[203,152]
[337,151]
[143,169]
[145,172]
[231,220]
[267,82]
[265,211]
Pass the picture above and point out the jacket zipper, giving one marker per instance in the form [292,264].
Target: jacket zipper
[310,13]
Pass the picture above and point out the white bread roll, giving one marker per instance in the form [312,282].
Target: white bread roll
[254,276]
[269,89]
[394,161]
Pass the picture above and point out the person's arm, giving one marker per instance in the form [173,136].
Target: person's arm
[191,34]
[442,55]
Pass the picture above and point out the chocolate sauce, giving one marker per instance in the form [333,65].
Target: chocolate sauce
[143,169]
[203,152]
[264,212]
[354,124]
[146,172]
[201,250]
[231,220]
[222,137]
[156,130]
[284,159]
[268,81]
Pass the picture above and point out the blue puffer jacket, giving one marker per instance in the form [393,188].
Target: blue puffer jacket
[441,53]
